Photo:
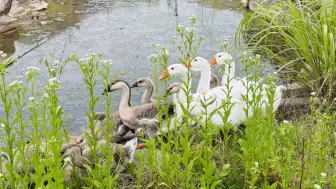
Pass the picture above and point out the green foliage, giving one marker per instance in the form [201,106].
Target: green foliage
[266,154]
[298,36]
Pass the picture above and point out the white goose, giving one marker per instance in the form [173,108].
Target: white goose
[227,60]
[237,87]
[236,116]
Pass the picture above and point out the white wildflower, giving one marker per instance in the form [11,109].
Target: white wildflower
[152,56]
[4,55]
[53,80]
[13,83]
[285,121]
[31,98]
[2,125]
[1,52]
[187,29]
[87,55]
[323,174]
[19,77]
[166,52]
[20,82]
[94,54]
[313,93]
[45,96]
[174,36]
[256,164]
[82,59]
[317,186]
[258,56]
[90,49]
[56,62]
[32,70]
[245,53]
[1,175]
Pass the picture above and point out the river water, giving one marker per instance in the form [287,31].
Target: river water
[124,31]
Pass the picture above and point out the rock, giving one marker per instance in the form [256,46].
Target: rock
[59,19]
[253,4]
[68,169]
[44,23]
[21,6]
[7,23]
[295,90]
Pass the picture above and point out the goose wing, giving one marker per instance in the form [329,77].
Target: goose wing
[170,109]
[145,111]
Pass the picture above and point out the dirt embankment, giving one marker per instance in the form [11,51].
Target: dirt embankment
[18,11]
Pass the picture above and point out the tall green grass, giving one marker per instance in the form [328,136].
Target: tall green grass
[299,37]
[266,154]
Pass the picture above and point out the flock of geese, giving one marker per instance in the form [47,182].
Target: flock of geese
[130,119]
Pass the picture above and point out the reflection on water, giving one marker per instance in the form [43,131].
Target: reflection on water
[7,41]
[36,26]
[124,31]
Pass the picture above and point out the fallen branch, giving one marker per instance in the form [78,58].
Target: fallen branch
[31,49]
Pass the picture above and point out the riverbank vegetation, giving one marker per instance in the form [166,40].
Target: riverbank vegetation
[263,153]
[299,37]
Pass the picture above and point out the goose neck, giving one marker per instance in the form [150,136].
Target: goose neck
[184,87]
[126,96]
[146,97]
[204,82]
[229,72]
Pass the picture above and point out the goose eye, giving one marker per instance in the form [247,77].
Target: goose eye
[172,68]
[140,81]
[195,59]
[219,56]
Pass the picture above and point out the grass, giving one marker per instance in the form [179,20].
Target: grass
[266,154]
[298,36]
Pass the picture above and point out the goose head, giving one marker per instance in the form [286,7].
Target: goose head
[143,82]
[70,150]
[178,70]
[198,64]
[116,85]
[221,59]
[173,88]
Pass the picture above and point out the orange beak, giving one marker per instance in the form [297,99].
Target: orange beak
[140,146]
[164,75]
[188,64]
[213,62]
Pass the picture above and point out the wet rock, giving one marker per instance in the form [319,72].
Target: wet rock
[21,6]
[7,23]
[295,90]
[44,23]
[253,4]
